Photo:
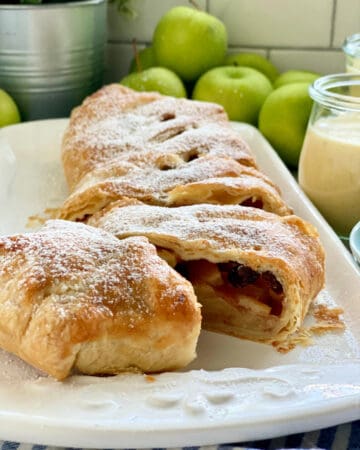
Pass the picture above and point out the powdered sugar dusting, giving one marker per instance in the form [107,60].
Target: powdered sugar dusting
[119,121]
[153,184]
[220,231]
[77,261]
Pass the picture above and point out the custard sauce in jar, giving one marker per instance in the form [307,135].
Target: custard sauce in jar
[329,166]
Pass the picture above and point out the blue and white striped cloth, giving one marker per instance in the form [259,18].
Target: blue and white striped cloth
[342,437]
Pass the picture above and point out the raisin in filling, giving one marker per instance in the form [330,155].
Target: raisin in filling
[240,275]
[262,285]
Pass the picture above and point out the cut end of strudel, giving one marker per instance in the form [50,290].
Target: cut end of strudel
[255,273]
[76,299]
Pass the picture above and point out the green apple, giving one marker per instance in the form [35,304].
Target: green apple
[295,76]
[254,61]
[283,120]
[9,113]
[146,58]
[240,90]
[189,42]
[157,79]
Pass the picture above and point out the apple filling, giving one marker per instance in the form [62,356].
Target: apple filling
[237,284]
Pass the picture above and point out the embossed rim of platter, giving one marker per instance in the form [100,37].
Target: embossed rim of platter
[184,408]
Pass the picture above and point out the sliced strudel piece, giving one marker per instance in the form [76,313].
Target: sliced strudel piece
[73,297]
[255,273]
[117,120]
[203,180]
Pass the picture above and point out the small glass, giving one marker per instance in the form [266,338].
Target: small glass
[351,49]
[329,166]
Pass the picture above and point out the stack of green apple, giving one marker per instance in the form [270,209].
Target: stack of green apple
[188,58]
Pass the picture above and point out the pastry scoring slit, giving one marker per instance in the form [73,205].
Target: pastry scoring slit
[190,156]
[166,167]
[167,116]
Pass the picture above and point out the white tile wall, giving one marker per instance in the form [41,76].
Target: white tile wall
[324,62]
[259,51]
[347,20]
[275,22]
[294,34]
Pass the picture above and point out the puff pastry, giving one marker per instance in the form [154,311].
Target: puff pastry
[203,180]
[74,297]
[255,273]
[117,121]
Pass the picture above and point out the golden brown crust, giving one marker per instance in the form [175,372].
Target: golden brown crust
[76,298]
[117,120]
[288,247]
[203,180]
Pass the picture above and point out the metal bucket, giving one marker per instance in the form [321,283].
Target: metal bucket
[51,55]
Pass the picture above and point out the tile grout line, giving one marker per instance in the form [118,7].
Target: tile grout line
[235,46]
[332,26]
[283,47]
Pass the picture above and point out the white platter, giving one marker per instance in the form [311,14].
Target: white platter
[234,391]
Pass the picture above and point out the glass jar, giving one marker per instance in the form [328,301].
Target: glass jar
[351,49]
[329,166]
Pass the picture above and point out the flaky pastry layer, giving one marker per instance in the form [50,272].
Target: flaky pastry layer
[202,180]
